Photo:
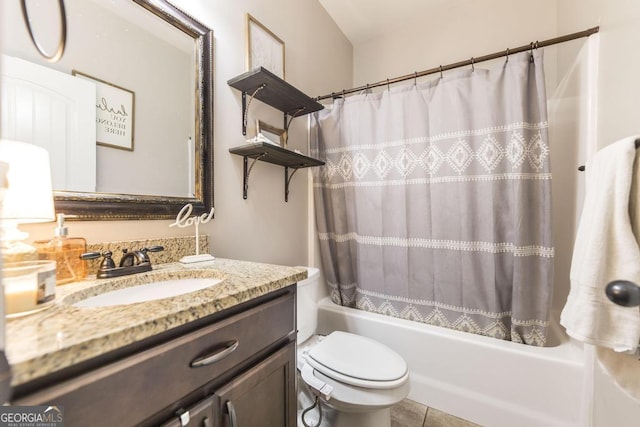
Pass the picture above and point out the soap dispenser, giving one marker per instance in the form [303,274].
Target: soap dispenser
[65,251]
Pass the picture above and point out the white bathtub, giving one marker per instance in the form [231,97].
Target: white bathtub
[484,380]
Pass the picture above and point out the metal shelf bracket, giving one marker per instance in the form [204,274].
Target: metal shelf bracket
[246,171]
[287,181]
[245,106]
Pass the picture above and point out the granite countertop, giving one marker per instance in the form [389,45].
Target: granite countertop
[62,335]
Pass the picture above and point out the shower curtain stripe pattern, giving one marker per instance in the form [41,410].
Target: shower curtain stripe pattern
[464,310]
[395,165]
[492,247]
[434,138]
[418,181]
[440,315]
[434,202]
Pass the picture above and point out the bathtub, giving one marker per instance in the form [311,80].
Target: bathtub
[481,379]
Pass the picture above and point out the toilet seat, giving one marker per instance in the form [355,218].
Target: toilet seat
[358,361]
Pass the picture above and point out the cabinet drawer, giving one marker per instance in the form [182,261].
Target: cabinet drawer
[130,390]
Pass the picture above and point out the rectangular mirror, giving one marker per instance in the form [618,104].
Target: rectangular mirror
[127,112]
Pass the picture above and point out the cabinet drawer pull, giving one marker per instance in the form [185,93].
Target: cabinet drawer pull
[214,357]
[232,414]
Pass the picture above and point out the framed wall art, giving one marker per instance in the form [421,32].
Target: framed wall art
[272,133]
[264,48]
[114,113]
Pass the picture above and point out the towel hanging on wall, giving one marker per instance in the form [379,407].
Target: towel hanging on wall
[606,249]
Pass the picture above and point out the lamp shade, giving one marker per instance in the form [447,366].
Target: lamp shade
[29,194]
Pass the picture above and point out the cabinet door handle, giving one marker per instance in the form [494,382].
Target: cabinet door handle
[207,422]
[232,414]
[214,357]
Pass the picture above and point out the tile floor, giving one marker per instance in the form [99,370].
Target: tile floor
[412,414]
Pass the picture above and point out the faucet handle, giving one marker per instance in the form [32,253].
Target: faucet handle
[90,255]
[107,262]
[153,249]
[144,251]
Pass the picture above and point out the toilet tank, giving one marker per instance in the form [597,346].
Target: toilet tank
[307,300]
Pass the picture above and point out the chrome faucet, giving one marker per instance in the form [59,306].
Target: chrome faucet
[131,262]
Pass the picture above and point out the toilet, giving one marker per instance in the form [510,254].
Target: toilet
[356,378]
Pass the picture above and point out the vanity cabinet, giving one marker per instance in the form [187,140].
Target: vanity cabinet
[262,396]
[237,366]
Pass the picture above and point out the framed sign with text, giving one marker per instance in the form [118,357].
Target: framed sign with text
[114,113]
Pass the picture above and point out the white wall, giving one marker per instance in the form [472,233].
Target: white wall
[617,116]
[262,228]
[618,84]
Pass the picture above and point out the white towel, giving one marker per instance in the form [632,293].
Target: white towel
[606,249]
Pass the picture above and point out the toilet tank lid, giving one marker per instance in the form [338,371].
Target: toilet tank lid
[355,357]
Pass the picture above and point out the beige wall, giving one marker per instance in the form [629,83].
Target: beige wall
[263,227]
[452,34]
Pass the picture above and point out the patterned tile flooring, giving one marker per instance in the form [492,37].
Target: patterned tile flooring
[412,414]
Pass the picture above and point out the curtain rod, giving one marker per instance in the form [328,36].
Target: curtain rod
[472,61]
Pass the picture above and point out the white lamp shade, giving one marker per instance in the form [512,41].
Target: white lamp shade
[29,194]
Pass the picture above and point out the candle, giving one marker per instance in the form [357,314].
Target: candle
[21,292]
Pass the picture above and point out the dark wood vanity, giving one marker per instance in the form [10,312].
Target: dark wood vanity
[233,368]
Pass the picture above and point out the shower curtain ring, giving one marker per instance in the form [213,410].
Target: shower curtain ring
[441,75]
[531,52]
[507,55]
[473,68]
[343,94]
[415,78]
[388,87]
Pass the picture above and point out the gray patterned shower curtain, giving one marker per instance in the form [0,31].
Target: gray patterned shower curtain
[434,204]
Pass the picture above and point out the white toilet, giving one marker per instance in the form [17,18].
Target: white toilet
[359,378]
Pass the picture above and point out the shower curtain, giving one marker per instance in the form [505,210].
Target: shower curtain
[434,204]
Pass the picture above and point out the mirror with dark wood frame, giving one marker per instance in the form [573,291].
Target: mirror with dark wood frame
[136,196]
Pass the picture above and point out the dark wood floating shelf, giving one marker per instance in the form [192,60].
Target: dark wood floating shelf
[270,153]
[262,84]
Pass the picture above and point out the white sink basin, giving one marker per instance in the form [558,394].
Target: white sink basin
[148,292]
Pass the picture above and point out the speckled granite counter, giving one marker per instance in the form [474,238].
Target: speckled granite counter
[63,335]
